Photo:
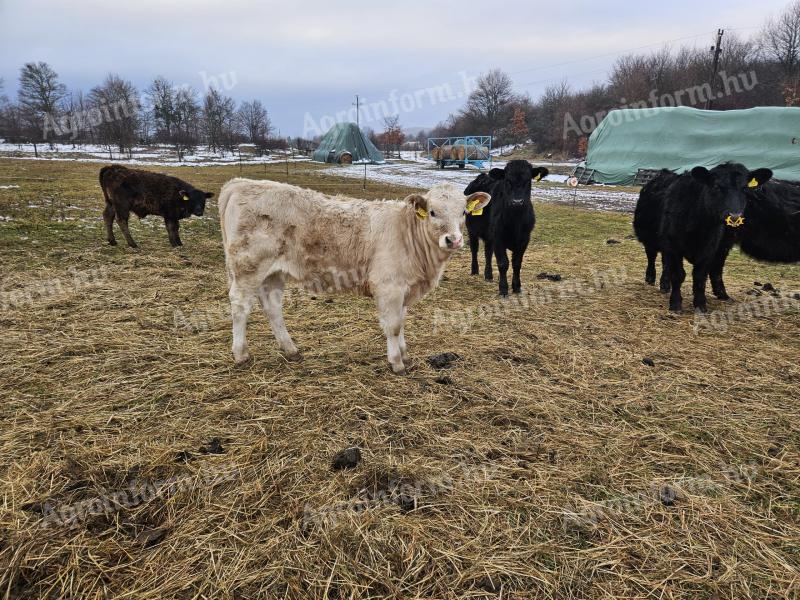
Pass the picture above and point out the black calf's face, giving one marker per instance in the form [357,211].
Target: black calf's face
[516,179]
[725,190]
[196,200]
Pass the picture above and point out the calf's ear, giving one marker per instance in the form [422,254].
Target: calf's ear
[477,201]
[758,177]
[209,194]
[702,175]
[539,173]
[420,204]
[497,174]
[184,195]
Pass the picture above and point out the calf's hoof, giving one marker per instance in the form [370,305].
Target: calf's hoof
[516,291]
[665,288]
[723,296]
[676,308]
[488,277]
[133,245]
[112,242]
[702,309]
[293,357]
[241,358]
[399,369]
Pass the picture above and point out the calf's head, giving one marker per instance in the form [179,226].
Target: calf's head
[516,181]
[441,211]
[482,183]
[195,200]
[725,190]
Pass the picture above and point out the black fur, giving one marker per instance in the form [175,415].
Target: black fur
[512,218]
[647,223]
[696,213]
[144,193]
[771,230]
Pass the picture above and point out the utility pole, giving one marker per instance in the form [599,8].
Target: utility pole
[356,103]
[717,50]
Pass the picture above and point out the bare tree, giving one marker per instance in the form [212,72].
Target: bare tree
[780,39]
[254,121]
[161,99]
[218,119]
[392,137]
[39,96]
[488,103]
[187,120]
[118,106]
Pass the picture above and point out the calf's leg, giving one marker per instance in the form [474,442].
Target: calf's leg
[715,274]
[402,337]
[674,265]
[474,243]
[664,285]
[108,217]
[516,265]
[172,230]
[502,266]
[241,298]
[650,273]
[699,276]
[271,297]
[390,314]
[487,255]
[122,221]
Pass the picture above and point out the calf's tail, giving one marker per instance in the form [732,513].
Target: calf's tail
[103,172]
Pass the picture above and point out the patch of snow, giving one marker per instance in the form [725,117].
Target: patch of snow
[9,187]
[160,155]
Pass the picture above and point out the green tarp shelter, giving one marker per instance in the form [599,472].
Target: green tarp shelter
[346,143]
[681,138]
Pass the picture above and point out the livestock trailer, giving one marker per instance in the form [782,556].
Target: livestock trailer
[461,150]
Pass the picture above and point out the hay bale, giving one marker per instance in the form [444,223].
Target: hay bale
[345,158]
[470,152]
[442,153]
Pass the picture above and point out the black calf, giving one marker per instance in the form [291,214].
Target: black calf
[512,218]
[702,212]
[478,226]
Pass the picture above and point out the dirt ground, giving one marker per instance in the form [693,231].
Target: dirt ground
[585,443]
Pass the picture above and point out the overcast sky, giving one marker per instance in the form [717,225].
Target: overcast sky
[305,60]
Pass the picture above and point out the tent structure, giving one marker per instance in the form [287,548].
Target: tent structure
[681,138]
[345,143]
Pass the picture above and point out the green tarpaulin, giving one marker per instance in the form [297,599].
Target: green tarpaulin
[682,138]
[347,138]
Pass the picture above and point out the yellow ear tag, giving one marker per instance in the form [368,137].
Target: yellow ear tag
[471,208]
[422,213]
[753,183]
[186,198]
[538,177]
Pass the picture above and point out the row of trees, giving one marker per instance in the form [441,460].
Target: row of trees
[762,71]
[117,115]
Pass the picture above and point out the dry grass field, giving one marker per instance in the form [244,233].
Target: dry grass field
[587,443]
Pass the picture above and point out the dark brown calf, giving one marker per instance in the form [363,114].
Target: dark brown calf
[143,193]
